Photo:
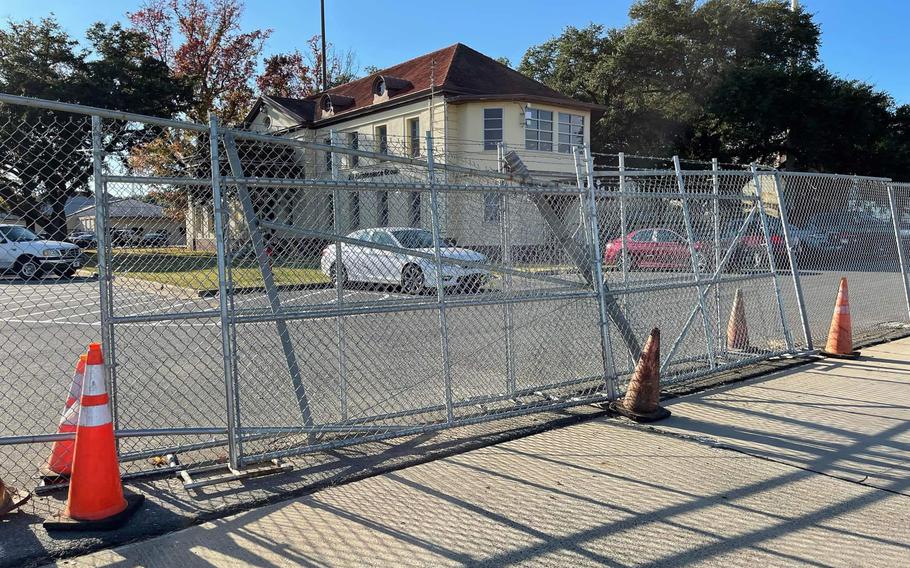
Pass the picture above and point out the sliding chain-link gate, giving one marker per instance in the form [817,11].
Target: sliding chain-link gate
[262,296]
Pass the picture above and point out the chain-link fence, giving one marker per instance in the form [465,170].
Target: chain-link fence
[262,296]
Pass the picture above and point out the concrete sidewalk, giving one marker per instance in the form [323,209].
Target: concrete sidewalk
[810,466]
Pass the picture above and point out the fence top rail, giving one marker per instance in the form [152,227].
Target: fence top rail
[610,193]
[327,184]
[787,174]
[102,112]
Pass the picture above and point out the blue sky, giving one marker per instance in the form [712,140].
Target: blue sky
[861,39]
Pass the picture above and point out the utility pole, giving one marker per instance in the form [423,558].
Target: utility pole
[794,5]
[325,81]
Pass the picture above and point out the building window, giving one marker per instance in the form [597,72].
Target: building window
[383,216]
[328,157]
[571,131]
[414,209]
[539,130]
[354,210]
[491,208]
[492,128]
[354,144]
[414,137]
[382,139]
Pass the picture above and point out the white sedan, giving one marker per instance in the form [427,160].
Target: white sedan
[366,263]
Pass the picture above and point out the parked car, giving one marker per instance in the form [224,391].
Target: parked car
[154,239]
[363,263]
[82,239]
[658,248]
[856,235]
[124,238]
[24,253]
[750,251]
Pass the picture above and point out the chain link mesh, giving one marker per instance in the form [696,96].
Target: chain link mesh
[355,286]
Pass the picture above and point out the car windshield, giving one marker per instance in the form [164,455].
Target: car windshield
[18,234]
[414,238]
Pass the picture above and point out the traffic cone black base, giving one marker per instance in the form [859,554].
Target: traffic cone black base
[49,478]
[61,523]
[616,407]
[852,355]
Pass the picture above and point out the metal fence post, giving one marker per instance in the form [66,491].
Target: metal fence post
[623,223]
[224,292]
[339,282]
[606,345]
[715,191]
[901,257]
[794,266]
[440,289]
[693,257]
[506,241]
[772,262]
[105,274]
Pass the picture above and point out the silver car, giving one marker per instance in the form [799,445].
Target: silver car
[368,263]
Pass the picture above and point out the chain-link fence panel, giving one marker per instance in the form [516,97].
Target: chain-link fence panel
[261,295]
[841,226]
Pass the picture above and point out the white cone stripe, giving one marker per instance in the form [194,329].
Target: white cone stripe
[843,309]
[76,385]
[95,415]
[94,380]
[71,416]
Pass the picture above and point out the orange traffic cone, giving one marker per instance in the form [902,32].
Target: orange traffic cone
[642,400]
[840,336]
[95,500]
[737,329]
[61,460]
[11,499]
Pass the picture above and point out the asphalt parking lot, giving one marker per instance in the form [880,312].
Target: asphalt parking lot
[169,373]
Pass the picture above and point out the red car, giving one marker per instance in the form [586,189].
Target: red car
[657,248]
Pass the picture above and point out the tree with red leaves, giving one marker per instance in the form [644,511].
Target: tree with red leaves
[297,75]
[202,42]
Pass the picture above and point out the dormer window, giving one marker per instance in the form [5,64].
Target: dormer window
[386,86]
[330,104]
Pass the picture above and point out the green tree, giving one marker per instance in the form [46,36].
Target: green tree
[45,156]
[657,75]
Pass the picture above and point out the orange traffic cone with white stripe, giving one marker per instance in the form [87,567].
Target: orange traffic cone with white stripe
[642,400]
[840,335]
[737,329]
[96,500]
[61,461]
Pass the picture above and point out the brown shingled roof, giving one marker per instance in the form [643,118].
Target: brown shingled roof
[461,73]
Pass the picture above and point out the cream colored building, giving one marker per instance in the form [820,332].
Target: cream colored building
[469,103]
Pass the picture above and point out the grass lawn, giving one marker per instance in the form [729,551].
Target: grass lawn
[198,269]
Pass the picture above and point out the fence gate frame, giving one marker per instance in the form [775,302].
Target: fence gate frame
[586,283]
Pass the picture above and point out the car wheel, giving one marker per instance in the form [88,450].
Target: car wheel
[412,281]
[337,271]
[28,269]
[758,260]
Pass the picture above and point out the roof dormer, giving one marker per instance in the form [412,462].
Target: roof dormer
[330,103]
[386,87]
